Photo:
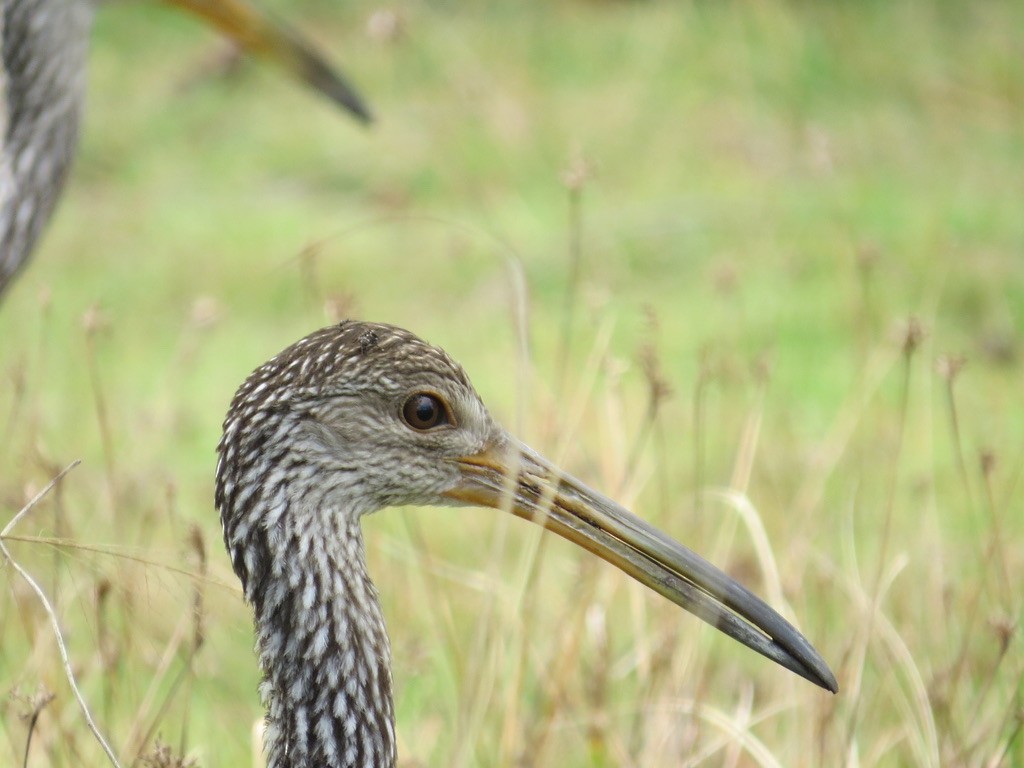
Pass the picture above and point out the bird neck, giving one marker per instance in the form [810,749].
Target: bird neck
[44,47]
[323,648]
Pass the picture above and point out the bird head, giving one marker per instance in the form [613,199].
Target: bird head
[360,416]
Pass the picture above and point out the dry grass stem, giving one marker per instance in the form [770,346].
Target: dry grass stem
[54,623]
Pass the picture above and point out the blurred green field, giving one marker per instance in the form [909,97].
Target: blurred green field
[794,219]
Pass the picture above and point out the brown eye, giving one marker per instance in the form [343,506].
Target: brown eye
[424,411]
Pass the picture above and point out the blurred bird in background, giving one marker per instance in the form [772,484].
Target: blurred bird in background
[45,45]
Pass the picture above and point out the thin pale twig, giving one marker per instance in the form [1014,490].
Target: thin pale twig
[52,614]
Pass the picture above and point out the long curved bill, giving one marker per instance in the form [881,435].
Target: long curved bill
[508,475]
[259,34]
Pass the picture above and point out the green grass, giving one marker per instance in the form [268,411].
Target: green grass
[774,189]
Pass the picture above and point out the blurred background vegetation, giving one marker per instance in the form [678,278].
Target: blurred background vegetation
[738,264]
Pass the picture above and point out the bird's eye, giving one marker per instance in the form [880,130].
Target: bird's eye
[424,411]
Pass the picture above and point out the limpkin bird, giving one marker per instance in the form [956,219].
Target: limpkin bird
[44,46]
[361,416]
